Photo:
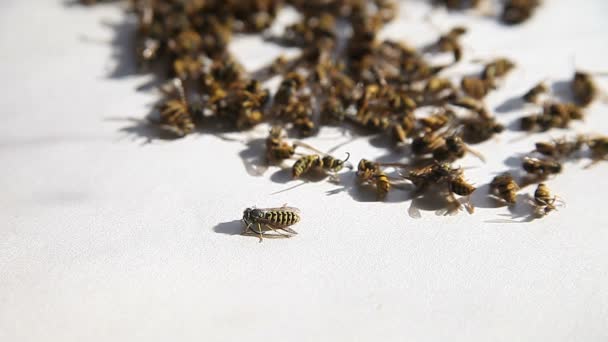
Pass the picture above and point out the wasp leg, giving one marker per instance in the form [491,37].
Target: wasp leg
[246,230]
[260,232]
[468,205]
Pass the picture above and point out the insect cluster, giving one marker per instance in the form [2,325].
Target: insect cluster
[357,81]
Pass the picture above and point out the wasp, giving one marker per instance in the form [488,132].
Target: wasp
[305,164]
[480,128]
[308,162]
[426,142]
[565,110]
[469,103]
[458,185]
[453,148]
[186,42]
[438,120]
[442,174]
[277,148]
[584,89]
[518,11]
[544,201]
[504,187]
[278,220]
[187,67]
[371,173]
[175,114]
[449,42]
[367,169]
[535,92]
[598,147]
[554,115]
[560,148]
[541,167]
[476,87]
[383,184]
[288,88]
[430,174]
[438,89]
[496,69]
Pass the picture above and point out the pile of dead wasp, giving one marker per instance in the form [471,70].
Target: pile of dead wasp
[357,81]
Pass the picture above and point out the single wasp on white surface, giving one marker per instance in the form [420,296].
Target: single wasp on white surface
[259,221]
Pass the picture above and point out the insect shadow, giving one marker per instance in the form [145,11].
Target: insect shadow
[234,227]
[562,90]
[481,198]
[522,212]
[510,105]
[252,157]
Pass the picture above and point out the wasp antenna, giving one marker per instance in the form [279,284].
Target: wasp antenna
[347,156]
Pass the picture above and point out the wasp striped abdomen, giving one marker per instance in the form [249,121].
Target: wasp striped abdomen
[305,163]
[282,218]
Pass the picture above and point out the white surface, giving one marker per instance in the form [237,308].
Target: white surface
[105,238]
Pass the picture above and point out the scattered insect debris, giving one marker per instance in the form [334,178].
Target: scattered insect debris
[359,82]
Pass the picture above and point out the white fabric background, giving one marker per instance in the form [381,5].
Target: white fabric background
[106,238]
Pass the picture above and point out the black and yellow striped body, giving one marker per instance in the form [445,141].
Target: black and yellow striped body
[305,163]
[260,222]
[366,169]
[332,164]
[383,184]
[460,186]
[505,187]
[280,217]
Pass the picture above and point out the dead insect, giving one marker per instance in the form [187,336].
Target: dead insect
[534,93]
[332,164]
[598,147]
[305,164]
[438,89]
[277,148]
[496,69]
[326,162]
[175,117]
[453,148]
[369,172]
[543,200]
[449,42]
[504,187]
[584,89]
[426,143]
[560,148]
[436,121]
[383,184]
[287,89]
[367,169]
[476,87]
[468,103]
[518,11]
[428,175]
[541,167]
[478,129]
[459,186]
[278,220]
[554,115]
